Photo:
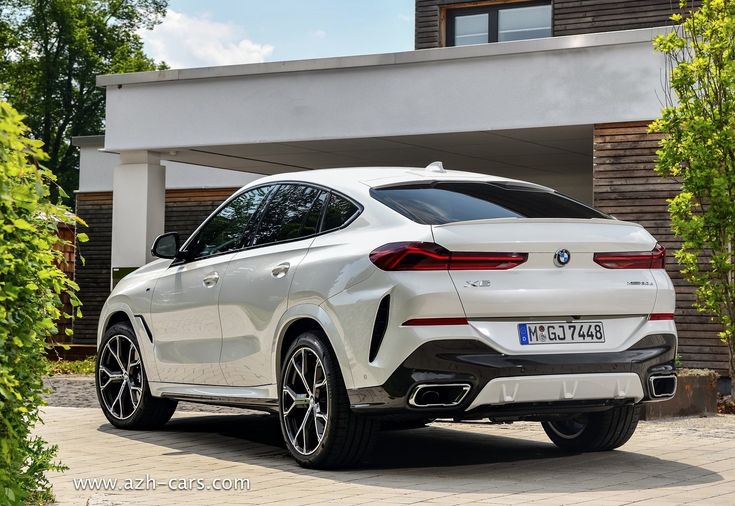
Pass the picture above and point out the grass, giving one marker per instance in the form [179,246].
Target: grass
[60,366]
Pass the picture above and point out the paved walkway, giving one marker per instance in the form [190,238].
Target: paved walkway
[687,461]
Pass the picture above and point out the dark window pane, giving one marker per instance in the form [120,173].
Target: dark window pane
[439,203]
[227,230]
[286,213]
[339,211]
[311,223]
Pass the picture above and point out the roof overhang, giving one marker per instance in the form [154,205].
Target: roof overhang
[553,82]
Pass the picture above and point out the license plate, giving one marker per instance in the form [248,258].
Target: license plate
[561,332]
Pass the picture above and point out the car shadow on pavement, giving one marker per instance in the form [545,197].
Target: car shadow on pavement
[456,455]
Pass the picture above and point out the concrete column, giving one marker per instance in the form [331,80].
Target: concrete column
[138,210]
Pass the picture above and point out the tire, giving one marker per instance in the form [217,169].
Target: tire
[318,426]
[594,432]
[118,403]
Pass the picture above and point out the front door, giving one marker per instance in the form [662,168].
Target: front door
[185,322]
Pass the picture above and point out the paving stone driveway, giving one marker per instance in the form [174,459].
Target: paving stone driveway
[691,460]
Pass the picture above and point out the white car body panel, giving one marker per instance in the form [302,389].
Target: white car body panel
[251,303]
[186,323]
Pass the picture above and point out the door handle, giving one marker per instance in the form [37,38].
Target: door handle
[210,280]
[280,270]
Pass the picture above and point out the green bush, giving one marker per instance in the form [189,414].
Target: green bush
[698,151]
[31,284]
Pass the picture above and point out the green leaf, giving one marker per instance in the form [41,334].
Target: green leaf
[22,224]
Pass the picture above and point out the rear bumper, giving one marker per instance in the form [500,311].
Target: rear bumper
[521,387]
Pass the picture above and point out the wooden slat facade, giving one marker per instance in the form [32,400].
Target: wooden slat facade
[570,17]
[573,17]
[626,186]
[185,210]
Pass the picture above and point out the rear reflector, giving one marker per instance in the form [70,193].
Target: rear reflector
[660,316]
[427,256]
[653,259]
[417,322]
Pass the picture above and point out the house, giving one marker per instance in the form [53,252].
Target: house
[556,92]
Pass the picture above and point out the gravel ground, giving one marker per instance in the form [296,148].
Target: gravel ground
[78,392]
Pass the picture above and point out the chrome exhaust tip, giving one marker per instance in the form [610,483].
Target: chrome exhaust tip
[441,395]
[662,386]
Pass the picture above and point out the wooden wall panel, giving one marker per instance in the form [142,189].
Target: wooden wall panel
[626,186]
[570,17]
[185,210]
[427,25]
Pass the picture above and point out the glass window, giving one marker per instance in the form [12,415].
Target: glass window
[311,223]
[498,23]
[286,214]
[471,29]
[339,212]
[524,23]
[228,229]
[447,202]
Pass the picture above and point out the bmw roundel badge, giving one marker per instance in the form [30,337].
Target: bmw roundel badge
[562,257]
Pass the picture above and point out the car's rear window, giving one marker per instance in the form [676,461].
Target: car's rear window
[437,203]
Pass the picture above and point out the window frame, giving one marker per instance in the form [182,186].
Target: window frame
[451,12]
[258,216]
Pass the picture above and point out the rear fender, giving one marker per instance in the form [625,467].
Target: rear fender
[320,316]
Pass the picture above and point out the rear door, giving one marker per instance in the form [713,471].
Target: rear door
[255,289]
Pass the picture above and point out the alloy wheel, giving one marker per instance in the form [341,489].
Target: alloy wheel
[304,401]
[120,377]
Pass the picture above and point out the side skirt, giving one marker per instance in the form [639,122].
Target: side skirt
[259,398]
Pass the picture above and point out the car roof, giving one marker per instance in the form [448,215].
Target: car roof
[360,179]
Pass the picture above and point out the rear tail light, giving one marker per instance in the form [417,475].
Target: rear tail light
[660,316]
[427,256]
[653,259]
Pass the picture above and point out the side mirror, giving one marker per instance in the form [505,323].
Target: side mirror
[166,245]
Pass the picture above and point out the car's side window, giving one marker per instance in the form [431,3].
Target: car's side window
[339,211]
[311,222]
[229,228]
[288,214]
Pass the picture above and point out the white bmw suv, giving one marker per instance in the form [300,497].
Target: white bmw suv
[343,299]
